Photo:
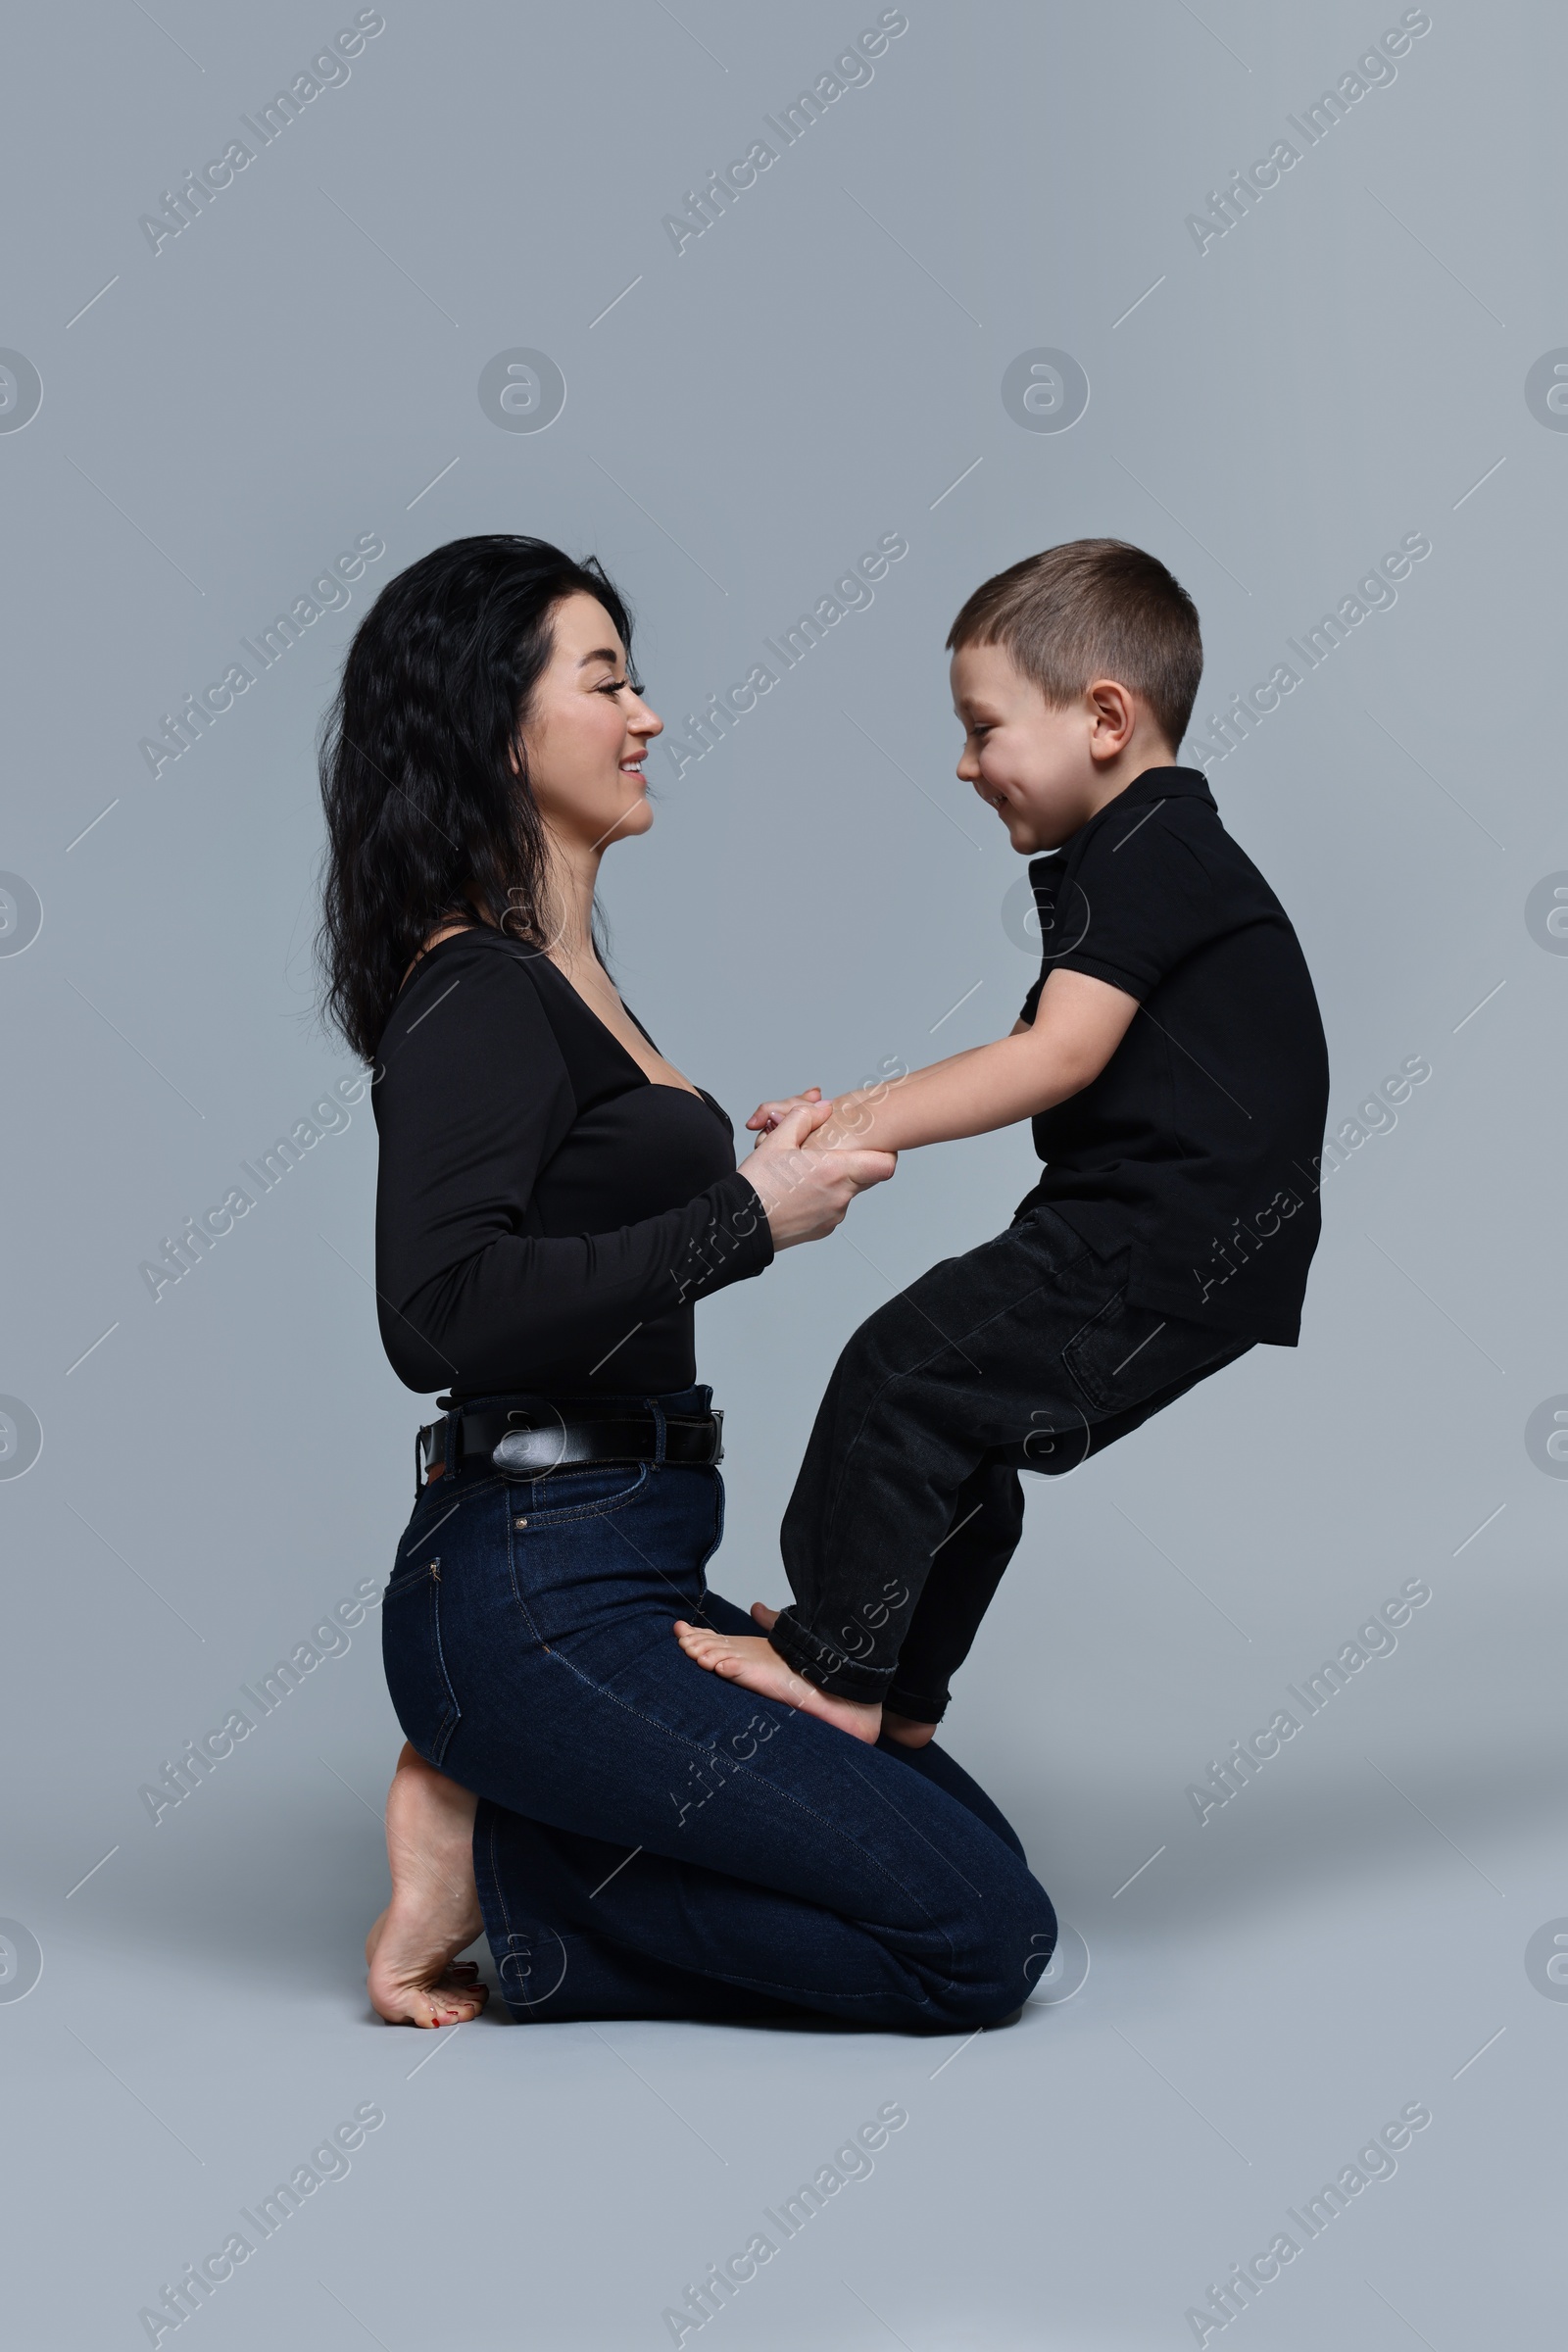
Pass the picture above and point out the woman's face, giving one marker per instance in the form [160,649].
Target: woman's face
[588,732]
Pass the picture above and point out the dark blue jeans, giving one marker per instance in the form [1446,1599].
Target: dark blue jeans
[652,1841]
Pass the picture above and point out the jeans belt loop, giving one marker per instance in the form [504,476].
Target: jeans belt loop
[659,1431]
[425,1443]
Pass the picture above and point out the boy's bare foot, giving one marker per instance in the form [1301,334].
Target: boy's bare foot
[902,1728]
[752,1661]
[905,1729]
[415,1978]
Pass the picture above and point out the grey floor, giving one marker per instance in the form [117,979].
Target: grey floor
[189,436]
[1342,1941]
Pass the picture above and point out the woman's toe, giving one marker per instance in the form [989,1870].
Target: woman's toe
[458,2004]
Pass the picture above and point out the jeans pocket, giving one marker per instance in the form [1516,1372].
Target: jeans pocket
[1049,1233]
[1125,1354]
[586,1493]
[423,1697]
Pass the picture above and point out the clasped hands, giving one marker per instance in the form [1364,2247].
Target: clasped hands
[805,1168]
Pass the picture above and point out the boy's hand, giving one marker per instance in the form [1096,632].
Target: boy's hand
[766,1116]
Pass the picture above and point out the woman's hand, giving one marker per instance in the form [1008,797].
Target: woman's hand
[768,1115]
[806,1194]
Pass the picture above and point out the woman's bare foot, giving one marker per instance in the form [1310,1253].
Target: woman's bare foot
[415,1978]
[751,1660]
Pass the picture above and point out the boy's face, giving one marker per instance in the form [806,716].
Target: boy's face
[1046,771]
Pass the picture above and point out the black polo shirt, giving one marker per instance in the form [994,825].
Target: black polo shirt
[1197,1146]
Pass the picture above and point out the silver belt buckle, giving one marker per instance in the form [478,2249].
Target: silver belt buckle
[719,1439]
[527,1452]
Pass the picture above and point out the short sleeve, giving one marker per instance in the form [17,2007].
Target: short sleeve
[1143,901]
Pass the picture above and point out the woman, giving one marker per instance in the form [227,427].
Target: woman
[637,1837]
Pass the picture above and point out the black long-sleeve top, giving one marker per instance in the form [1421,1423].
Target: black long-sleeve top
[547,1215]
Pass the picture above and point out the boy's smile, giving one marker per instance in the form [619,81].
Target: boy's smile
[1046,768]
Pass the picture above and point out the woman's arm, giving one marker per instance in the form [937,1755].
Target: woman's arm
[472,1099]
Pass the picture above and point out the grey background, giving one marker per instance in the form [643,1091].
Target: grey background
[1343,367]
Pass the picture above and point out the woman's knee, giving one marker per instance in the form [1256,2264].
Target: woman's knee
[997,1965]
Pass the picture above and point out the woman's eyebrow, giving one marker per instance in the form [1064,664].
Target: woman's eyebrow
[602,652]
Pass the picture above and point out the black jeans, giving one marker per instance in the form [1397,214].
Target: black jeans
[1024,1354]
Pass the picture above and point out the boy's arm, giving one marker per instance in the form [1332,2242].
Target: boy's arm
[1078,1026]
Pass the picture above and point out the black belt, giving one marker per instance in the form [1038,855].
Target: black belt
[532,1437]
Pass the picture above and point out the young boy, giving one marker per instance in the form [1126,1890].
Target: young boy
[1172,1060]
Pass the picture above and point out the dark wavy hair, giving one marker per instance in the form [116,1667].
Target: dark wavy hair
[428,821]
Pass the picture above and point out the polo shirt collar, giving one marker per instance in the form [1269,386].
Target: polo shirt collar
[1162,784]
[1155,784]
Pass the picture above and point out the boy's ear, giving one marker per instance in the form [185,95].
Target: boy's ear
[1113,715]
